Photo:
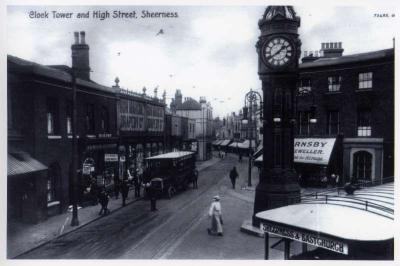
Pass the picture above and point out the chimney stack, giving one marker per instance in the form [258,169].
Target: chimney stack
[332,49]
[80,56]
[82,37]
[76,34]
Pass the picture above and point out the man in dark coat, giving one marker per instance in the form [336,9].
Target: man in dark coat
[124,191]
[233,175]
[151,192]
[103,199]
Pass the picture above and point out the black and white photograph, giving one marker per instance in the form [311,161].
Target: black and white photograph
[168,131]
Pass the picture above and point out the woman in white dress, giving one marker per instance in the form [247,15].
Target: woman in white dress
[216,217]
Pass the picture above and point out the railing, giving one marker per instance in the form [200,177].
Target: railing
[352,201]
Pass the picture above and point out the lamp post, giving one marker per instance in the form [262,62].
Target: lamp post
[74,220]
[250,99]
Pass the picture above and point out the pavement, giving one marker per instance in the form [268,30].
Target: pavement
[22,237]
[191,243]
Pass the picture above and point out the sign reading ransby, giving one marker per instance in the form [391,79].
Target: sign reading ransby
[308,238]
[313,150]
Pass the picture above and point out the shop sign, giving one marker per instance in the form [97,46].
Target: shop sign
[308,238]
[110,157]
[313,150]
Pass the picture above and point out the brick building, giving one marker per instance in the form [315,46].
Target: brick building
[349,99]
[40,128]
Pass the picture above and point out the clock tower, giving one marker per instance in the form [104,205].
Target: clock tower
[278,49]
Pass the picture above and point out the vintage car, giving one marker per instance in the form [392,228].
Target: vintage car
[170,172]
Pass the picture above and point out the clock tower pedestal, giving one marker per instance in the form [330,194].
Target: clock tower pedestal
[278,50]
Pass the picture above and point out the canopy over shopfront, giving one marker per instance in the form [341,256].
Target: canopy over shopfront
[217,142]
[225,142]
[313,150]
[309,150]
[20,162]
[366,233]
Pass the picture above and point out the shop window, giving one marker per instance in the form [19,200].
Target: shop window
[52,116]
[365,80]
[334,83]
[333,123]
[89,118]
[303,122]
[364,123]
[104,119]
[304,85]
[362,165]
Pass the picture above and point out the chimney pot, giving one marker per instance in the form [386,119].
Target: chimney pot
[340,45]
[76,35]
[82,37]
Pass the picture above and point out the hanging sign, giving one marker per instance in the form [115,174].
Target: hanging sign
[313,150]
[308,238]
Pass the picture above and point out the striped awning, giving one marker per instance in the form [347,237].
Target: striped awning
[19,163]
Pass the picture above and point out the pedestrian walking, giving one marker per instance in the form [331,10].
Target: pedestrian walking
[116,186]
[194,180]
[233,175]
[152,194]
[103,200]
[215,213]
[124,191]
[136,183]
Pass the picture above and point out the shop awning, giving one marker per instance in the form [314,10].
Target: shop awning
[19,163]
[217,142]
[235,144]
[225,142]
[246,144]
[308,150]
[313,150]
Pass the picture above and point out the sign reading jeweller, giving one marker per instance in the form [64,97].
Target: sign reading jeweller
[313,150]
[308,238]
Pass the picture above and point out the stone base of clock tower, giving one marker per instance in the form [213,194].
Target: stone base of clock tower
[278,189]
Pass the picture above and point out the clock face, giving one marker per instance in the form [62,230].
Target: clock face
[278,52]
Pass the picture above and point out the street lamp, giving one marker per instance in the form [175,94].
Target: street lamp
[251,98]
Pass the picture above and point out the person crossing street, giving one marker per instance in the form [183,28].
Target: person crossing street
[233,175]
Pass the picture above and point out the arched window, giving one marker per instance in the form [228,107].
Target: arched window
[362,165]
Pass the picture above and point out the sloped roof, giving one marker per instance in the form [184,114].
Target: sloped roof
[354,58]
[25,66]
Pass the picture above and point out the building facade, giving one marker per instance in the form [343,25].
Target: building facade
[349,99]
[201,113]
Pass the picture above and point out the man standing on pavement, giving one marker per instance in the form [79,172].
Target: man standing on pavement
[233,175]
[152,194]
[124,191]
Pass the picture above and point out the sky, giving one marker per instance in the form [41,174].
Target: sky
[206,51]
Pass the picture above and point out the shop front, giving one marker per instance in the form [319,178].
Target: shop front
[100,163]
[316,161]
